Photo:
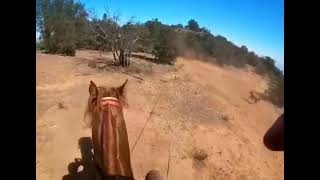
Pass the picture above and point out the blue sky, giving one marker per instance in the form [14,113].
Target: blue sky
[257,24]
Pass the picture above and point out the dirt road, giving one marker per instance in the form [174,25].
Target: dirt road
[201,107]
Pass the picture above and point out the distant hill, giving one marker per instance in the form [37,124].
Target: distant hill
[165,42]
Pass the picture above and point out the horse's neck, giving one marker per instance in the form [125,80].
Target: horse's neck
[114,145]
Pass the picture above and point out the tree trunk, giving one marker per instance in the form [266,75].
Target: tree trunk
[117,53]
[114,57]
[121,58]
[126,60]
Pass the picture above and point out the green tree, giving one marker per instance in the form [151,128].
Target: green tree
[164,49]
[177,26]
[205,30]
[275,91]
[56,20]
[193,25]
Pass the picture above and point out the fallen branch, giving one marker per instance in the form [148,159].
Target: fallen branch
[136,62]
[133,76]
[86,74]
[197,92]
[83,74]
[103,66]
[143,57]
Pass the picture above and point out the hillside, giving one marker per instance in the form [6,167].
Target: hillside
[66,26]
[206,106]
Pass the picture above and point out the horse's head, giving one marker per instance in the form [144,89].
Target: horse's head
[98,93]
[109,134]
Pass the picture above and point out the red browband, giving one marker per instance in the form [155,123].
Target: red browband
[111,101]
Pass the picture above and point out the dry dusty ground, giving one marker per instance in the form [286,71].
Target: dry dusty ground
[202,107]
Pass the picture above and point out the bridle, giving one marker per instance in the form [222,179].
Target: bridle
[105,101]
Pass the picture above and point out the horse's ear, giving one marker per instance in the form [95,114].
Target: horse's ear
[93,90]
[122,93]
[122,88]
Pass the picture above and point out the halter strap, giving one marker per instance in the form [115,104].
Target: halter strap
[110,101]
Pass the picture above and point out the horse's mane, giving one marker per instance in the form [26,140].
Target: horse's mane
[87,118]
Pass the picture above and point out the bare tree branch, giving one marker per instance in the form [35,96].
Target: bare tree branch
[121,38]
[132,45]
[98,34]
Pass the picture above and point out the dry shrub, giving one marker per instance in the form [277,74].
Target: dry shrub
[225,117]
[199,154]
[133,68]
[61,105]
[142,67]
[92,64]
[136,66]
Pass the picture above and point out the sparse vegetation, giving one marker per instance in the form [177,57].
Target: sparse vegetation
[193,25]
[275,92]
[92,64]
[199,154]
[225,117]
[39,45]
[56,22]
[65,26]
[61,105]
[161,40]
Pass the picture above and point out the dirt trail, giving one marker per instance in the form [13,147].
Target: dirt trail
[205,106]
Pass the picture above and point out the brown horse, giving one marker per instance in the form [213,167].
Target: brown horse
[109,133]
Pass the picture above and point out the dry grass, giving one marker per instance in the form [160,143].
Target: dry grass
[225,117]
[133,68]
[136,66]
[61,105]
[92,64]
[198,118]
[199,154]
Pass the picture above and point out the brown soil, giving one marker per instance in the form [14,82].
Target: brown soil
[202,108]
